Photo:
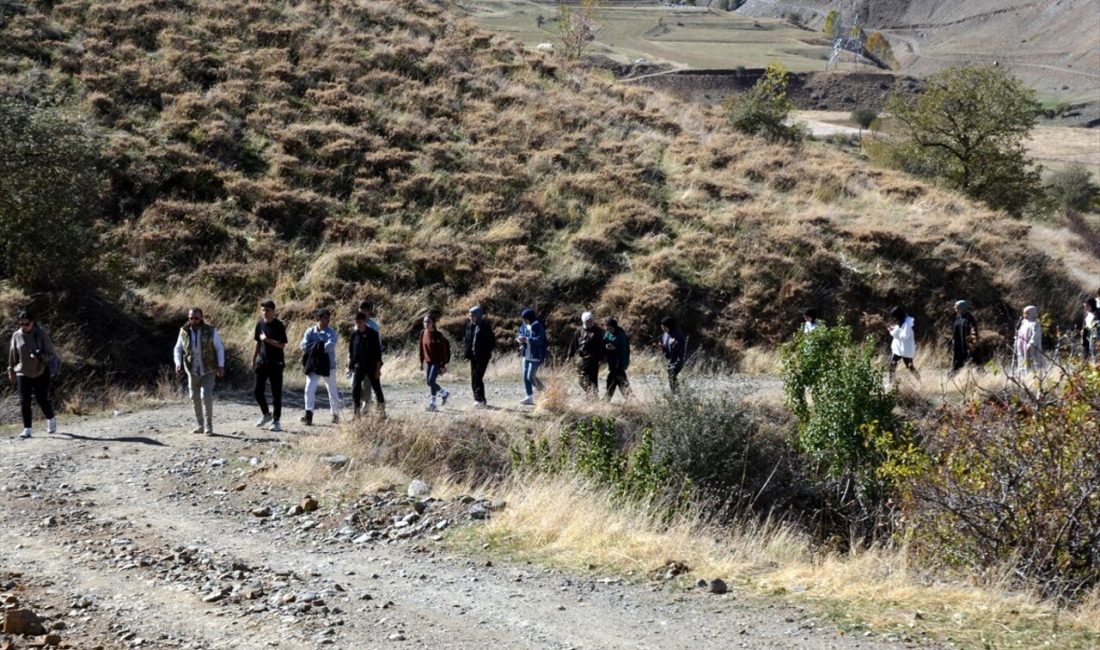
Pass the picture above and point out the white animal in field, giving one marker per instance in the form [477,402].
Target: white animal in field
[545,46]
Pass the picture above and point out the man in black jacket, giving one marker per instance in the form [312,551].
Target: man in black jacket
[365,363]
[480,341]
[588,347]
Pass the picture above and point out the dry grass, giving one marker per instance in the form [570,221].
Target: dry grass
[575,525]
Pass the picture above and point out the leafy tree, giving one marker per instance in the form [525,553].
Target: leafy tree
[50,186]
[832,27]
[878,46]
[1073,188]
[864,117]
[764,109]
[577,27]
[968,129]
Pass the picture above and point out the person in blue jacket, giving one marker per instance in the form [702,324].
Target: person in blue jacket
[319,360]
[532,349]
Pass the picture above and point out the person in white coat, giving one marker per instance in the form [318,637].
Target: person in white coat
[1029,342]
[903,343]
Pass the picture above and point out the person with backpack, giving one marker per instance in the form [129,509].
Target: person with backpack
[319,362]
[532,349]
[268,362]
[903,341]
[617,351]
[964,336]
[365,363]
[435,355]
[31,361]
[588,348]
[199,352]
[674,346]
[479,343]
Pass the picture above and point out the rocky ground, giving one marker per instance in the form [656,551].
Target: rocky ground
[124,530]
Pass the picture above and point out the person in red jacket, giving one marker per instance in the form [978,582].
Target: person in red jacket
[435,354]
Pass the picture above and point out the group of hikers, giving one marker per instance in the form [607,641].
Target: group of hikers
[199,354]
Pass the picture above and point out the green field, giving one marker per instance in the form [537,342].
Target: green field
[682,37]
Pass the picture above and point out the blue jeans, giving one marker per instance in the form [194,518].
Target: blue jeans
[433,374]
[530,381]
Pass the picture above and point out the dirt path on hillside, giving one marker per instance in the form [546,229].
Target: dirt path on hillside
[126,531]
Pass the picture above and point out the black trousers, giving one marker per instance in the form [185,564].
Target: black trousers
[589,375]
[674,375]
[39,387]
[357,380]
[616,378]
[477,378]
[275,376]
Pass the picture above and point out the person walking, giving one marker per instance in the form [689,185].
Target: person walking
[617,351]
[365,363]
[367,307]
[1090,329]
[964,336]
[319,360]
[479,343]
[30,357]
[199,352]
[674,347]
[435,354]
[587,347]
[532,349]
[1029,342]
[268,362]
[903,341]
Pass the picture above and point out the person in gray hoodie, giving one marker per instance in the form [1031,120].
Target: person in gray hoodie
[29,357]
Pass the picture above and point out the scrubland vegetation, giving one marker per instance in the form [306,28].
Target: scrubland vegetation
[319,153]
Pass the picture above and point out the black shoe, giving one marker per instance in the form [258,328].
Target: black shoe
[307,418]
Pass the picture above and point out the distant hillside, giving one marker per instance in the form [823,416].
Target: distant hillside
[1053,45]
[323,152]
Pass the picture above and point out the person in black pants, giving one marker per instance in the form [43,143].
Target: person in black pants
[587,347]
[268,360]
[365,363]
[29,358]
[480,341]
[674,346]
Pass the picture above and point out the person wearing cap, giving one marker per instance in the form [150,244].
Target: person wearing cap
[964,337]
[199,352]
[617,350]
[28,367]
[674,346]
[1029,342]
[319,360]
[268,362]
[587,347]
[532,349]
[479,343]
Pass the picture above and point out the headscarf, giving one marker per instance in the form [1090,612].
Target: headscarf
[587,316]
[1031,312]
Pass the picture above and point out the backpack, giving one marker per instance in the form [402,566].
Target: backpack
[53,362]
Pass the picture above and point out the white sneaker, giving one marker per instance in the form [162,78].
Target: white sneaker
[443,395]
[208,431]
[51,425]
[263,420]
[26,433]
[527,401]
[480,405]
[275,426]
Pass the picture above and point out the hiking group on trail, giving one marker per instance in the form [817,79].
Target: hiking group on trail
[199,353]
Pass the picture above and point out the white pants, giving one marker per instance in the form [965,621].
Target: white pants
[333,392]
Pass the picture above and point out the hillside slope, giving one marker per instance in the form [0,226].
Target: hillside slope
[322,152]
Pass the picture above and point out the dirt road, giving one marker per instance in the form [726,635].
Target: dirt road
[127,531]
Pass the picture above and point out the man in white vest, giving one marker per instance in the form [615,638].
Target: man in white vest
[199,352]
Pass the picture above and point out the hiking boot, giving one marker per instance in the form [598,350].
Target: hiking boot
[208,431]
[263,420]
[307,418]
[51,425]
[26,433]
[197,430]
[275,426]
[443,395]
[527,401]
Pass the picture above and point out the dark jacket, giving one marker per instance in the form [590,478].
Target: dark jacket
[480,341]
[315,359]
[674,345]
[620,356]
[434,348]
[364,349]
[588,345]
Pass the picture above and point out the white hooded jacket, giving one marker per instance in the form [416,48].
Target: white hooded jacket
[905,341]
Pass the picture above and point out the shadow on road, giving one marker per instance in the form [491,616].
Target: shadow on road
[144,440]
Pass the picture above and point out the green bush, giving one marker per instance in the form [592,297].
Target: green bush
[1016,481]
[764,109]
[1073,188]
[845,416]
